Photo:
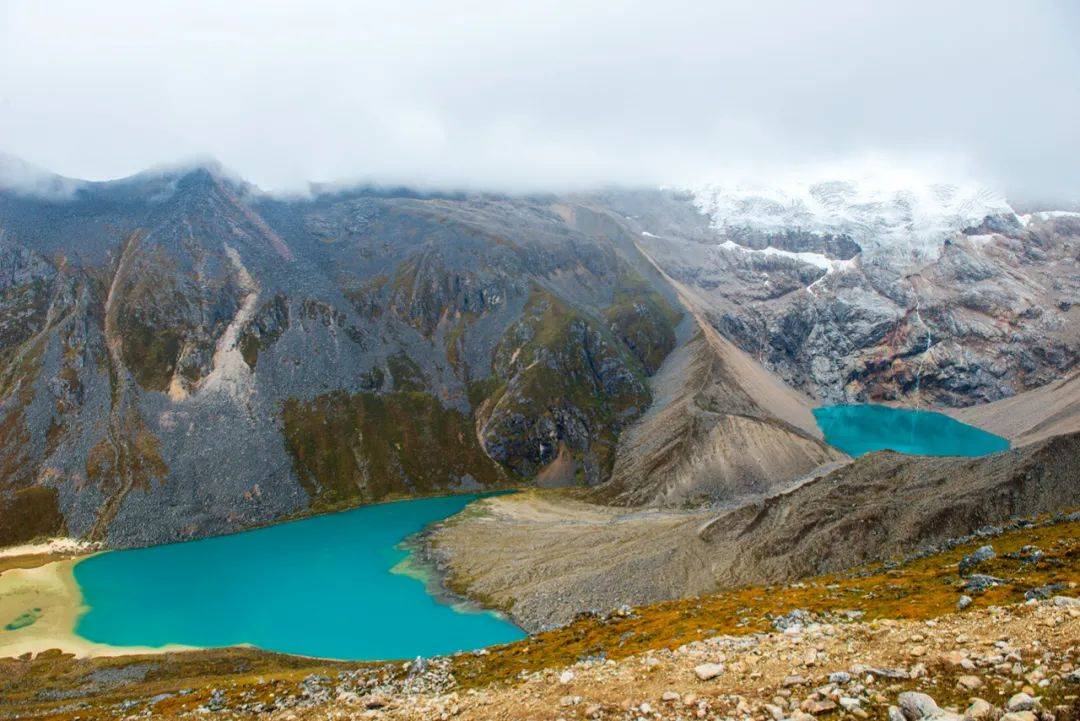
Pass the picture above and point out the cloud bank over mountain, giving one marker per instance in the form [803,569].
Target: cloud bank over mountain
[524,96]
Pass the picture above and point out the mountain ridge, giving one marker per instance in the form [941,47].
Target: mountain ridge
[183,354]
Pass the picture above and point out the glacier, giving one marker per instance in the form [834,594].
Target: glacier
[909,221]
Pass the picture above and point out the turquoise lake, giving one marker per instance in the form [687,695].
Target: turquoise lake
[859,429]
[319,587]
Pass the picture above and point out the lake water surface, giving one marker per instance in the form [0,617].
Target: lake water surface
[320,587]
[859,429]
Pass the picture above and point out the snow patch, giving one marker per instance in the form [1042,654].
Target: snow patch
[1051,214]
[829,265]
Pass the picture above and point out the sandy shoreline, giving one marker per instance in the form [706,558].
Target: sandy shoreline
[51,589]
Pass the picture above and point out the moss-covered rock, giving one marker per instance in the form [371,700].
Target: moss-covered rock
[360,448]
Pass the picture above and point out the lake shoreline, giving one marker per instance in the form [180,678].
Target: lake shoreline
[51,592]
[426,564]
[48,591]
[318,587]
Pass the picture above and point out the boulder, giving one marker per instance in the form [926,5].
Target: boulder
[816,706]
[979,582]
[979,710]
[708,671]
[969,682]
[981,554]
[1019,716]
[915,705]
[1020,702]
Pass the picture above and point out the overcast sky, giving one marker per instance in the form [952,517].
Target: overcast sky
[545,94]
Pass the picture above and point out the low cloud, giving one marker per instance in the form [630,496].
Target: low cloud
[22,177]
[531,96]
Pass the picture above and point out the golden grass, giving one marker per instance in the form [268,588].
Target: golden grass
[922,589]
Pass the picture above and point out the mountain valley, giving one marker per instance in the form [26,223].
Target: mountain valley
[184,356]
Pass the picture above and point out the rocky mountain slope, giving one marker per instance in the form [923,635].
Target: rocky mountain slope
[857,296]
[182,354]
[544,558]
[1049,410]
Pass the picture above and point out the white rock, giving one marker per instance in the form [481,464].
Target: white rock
[566,676]
[1066,601]
[707,671]
[970,682]
[979,710]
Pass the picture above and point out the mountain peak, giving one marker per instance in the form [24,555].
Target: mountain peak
[198,169]
[197,175]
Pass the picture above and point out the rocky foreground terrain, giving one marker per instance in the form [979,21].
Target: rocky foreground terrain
[995,666]
[987,628]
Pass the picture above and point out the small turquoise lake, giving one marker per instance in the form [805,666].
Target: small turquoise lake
[320,586]
[859,429]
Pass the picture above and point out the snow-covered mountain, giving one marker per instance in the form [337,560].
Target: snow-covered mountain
[868,290]
[907,220]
